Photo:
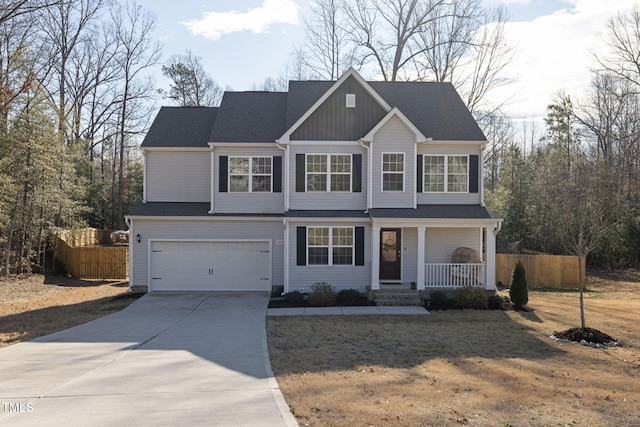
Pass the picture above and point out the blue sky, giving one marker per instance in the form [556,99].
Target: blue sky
[241,42]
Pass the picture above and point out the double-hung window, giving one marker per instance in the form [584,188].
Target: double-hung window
[328,172]
[446,173]
[250,174]
[330,245]
[392,172]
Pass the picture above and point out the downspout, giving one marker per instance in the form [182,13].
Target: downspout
[129,222]
[285,184]
[481,177]
[286,256]
[369,203]
[213,183]
[144,176]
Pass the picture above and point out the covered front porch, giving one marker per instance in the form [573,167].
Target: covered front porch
[415,253]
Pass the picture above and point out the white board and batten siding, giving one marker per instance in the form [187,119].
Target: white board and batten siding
[393,137]
[177,176]
[441,242]
[252,247]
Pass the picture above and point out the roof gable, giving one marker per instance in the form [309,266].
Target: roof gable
[435,108]
[328,118]
[395,112]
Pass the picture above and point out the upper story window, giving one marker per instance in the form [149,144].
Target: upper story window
[392,171]
[328,172]
[446,173]
[250,174]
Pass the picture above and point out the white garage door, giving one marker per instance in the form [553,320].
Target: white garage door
[210,266]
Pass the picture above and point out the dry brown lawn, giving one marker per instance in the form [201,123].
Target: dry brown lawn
[483,368]
[32,306]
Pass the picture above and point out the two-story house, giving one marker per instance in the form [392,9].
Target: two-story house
[359,184]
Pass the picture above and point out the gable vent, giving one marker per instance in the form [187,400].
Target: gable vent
[351,100]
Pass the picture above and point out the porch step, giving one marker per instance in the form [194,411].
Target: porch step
[397,297]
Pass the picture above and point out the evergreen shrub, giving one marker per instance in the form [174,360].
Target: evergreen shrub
[518,291]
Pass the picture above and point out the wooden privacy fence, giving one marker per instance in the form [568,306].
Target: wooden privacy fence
[543,271]
[92,262]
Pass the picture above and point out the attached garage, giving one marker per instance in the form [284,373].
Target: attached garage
[210,266]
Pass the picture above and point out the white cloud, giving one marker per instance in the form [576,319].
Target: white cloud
[554,54]
[257,20]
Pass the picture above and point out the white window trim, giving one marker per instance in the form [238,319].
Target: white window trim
[446,173]
[382,172]
[331,246]
[328,173]
[250,174]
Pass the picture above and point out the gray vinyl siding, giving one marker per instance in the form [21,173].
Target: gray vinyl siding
[332,121]
[178,176]
[341,276]
[231,202]
[450,198]
[393,137]
[441,242]
[150,229]
[409,255]
[326,200]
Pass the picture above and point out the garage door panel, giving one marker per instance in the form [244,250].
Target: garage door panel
[210,266]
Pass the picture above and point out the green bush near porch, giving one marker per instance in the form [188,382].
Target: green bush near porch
[471,297]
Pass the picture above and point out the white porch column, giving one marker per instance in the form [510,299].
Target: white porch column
[420,284]
[490,261]
[375,258]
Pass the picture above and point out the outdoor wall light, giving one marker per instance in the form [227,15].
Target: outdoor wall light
[138,238]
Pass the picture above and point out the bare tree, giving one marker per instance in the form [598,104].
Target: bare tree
[11,9]
[387,29]
[623,38]
[466,45]
[65,27]
[191,84]
[138,51]
[330,51]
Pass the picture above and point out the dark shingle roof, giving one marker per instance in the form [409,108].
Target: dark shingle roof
[250,117]
[185,209]
[435,212]
[326,214]
[181,127]
[435,109]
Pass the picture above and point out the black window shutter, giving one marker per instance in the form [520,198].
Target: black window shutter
[356,173]
[301,245]
[277,174]
[420,178]
[301,183]
[223,174]
[474,167]
[359,249]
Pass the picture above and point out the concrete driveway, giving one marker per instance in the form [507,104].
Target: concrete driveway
[168,359]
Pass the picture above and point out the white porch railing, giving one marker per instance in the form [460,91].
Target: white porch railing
[454,275]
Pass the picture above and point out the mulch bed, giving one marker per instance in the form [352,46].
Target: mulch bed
[586,334]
